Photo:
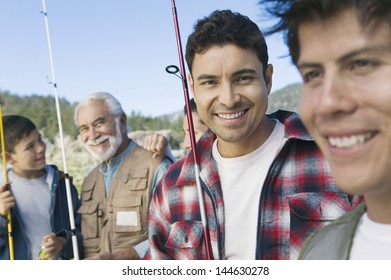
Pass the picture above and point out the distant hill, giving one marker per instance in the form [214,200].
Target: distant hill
[287,98]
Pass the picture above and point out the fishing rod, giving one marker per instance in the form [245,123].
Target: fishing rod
[189,117]
[67,177]
[9,221]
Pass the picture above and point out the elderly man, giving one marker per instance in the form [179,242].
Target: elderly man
[115,196]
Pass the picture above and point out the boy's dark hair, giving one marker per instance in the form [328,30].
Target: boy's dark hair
[292,13]
[226,27]
[15,129]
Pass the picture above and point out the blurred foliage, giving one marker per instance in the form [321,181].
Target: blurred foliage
[42,111]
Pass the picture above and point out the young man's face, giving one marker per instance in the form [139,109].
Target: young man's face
[98,130]
[346,103]
[232,96]
[28,158]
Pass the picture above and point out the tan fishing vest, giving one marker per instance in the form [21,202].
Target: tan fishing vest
[120,220]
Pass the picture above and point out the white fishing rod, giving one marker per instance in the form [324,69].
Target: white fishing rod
[67,177]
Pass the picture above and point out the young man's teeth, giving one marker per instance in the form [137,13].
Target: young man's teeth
[231,116]
[349,141]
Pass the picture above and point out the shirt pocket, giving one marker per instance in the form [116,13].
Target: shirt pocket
[185,234]
[310,211]
[311,206]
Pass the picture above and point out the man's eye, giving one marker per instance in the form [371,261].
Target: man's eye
[243,79]
[208,82]
[310,76]
[363,65]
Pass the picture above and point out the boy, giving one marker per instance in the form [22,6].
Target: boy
[36,197]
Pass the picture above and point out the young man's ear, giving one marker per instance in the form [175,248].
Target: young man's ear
[191,84]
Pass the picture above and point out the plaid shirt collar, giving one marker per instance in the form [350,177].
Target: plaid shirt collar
[294,129]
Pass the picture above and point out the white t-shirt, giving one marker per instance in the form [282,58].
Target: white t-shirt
[32,202]
[372,241]
[242,179]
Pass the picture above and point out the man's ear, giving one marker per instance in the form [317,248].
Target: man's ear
[123,122]
[191,84]
[269,78]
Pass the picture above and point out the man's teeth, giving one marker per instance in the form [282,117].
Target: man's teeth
[231,116]
[349,141]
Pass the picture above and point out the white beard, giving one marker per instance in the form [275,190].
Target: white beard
[98,152]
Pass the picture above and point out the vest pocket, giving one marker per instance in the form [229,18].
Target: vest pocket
[127,213]
[185,234]
[91,247]
[89,213]
[136,181]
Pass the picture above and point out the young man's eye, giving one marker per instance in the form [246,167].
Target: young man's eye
[208,83]
[244,79]
[363,65]
[310,76]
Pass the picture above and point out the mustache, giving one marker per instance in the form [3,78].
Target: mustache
[98,140]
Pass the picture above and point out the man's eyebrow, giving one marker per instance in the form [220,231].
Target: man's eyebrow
[205,77]
[244,71]
[100,119]
[348,56]
[237,73]
[308,65]
[370,49]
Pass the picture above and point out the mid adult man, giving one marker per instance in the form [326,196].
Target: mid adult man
[266,185]
[115,196]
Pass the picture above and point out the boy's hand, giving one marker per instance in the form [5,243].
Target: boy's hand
[7,200]
[51,246]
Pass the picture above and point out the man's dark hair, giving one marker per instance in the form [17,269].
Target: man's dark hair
[226,27]
[292,13]
[15,129]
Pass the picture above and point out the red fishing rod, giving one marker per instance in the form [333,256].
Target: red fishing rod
[200,192]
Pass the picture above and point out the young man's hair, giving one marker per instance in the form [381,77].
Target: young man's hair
[292,13]
[226,27]
[15,129]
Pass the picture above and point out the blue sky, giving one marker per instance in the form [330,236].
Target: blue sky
[119,46]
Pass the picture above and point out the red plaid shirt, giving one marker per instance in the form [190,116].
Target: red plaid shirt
[298,197]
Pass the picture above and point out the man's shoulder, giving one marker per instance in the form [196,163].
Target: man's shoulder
[294,127]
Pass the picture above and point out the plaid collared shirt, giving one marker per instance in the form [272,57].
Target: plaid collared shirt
[298,197]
